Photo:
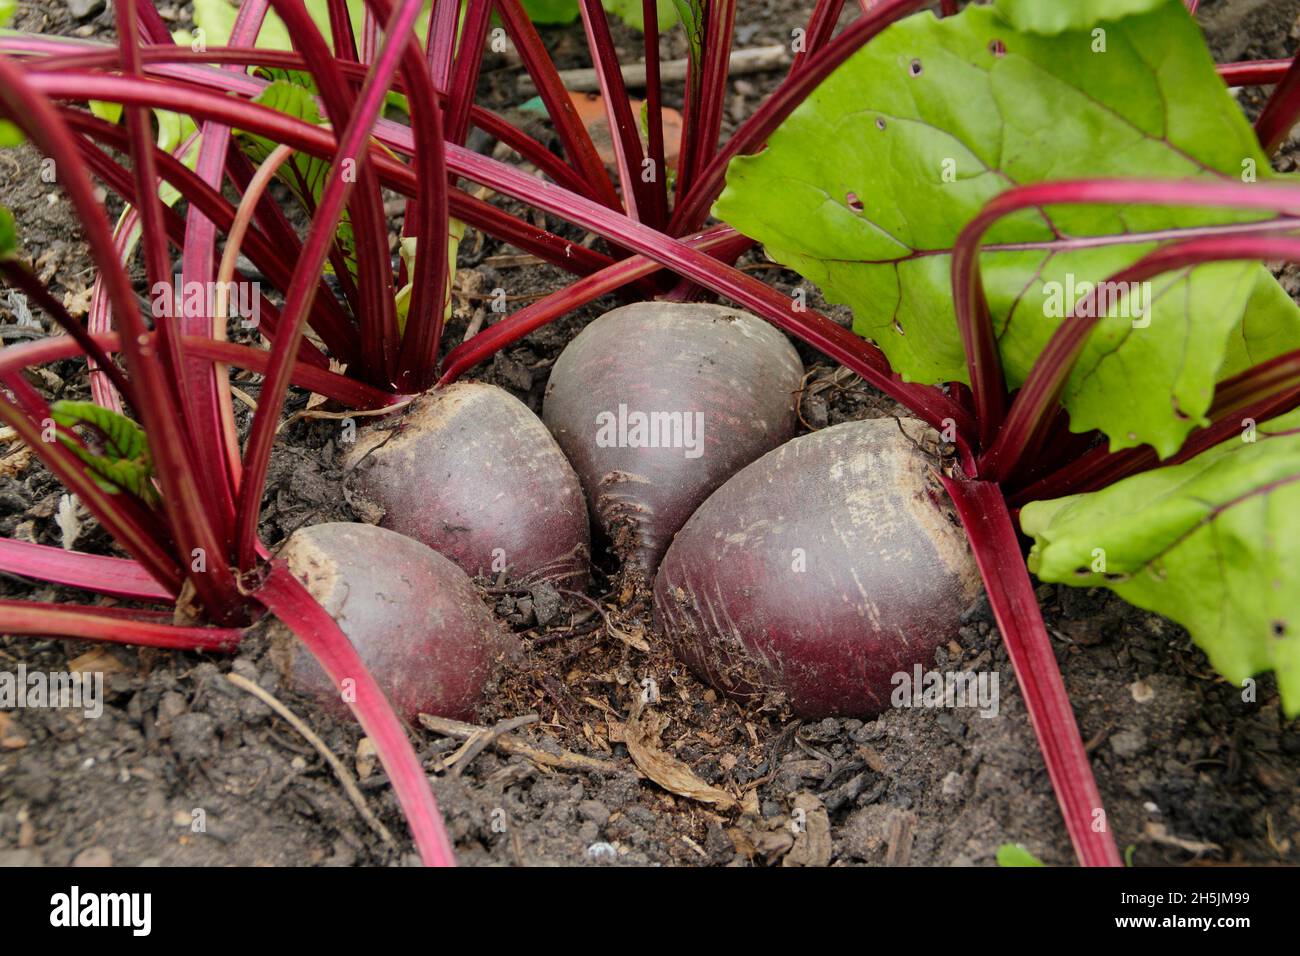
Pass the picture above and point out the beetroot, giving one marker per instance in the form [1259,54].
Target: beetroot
[414,618]
[819,572]
[475,475]
[658,403]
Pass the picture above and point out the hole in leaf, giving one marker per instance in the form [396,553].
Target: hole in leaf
[853,201]
[914,68]
[1083,572]
[880,122]
[997,48]
[1279,629]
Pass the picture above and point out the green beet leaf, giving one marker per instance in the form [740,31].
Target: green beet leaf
[1271,326]
[8,234]
[1057,16]
[551,11]
[632,13]
[1213,543]
[691,14]
[216,18]
[114,449]
[407,249]
[10,135]
[865,188]
[304,175]
[629,11]
[1013,854]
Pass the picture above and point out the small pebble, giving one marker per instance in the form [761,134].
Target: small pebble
[1127,743]
[953,784]
[84,9]
[595,811]
[93,856]
[1142,691]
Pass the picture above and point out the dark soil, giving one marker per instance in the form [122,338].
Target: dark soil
[1189,772]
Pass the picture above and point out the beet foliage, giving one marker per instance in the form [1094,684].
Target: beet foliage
[1082,309]
[1135,353]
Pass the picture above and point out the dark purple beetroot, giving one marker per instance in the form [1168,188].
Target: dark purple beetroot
[713,387]
[413,616]
[475,475]
[819,572]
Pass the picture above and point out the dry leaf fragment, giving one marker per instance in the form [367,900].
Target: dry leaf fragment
[642,739]
[78,303]
[740,840]
[812,832]
[898,834]
[872,758]
[634,638]
[97,659]
[16,462]
[774,842]
[617,731]
[1159,833]
[11,737]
